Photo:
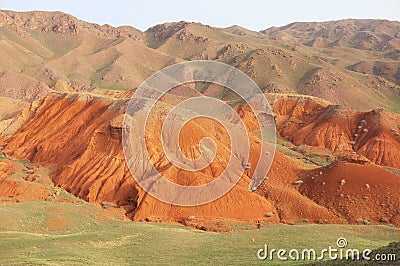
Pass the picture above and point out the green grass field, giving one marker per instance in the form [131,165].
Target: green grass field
[48,233]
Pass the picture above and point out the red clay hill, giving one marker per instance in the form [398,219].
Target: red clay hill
[360,193]
[333,86]
[79,137]
[311,121]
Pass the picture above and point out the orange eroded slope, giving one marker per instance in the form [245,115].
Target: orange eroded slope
[355,192]
[81,137]
[374,134]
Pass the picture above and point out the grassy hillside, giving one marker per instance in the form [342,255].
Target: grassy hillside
[334,60]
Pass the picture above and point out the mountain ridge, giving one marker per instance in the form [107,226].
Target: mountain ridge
[334,90]
[48,47]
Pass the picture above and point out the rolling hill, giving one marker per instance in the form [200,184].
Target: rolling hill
[356,61]
[333,87]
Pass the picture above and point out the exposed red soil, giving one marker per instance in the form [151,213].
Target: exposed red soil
[293,111]
[355,192]
[17,185]
[79,136]
[338,129]
[292,206]
[373,134]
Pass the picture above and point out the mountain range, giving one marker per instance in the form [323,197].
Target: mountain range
[334,88]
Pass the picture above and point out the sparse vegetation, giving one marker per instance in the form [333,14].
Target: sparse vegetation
[364,221]
[114,88]
[304,153]
[384,220]
[61,233]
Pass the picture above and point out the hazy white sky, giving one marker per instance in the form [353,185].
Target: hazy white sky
[251,14]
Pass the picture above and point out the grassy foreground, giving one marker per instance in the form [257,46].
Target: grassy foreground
[49,233]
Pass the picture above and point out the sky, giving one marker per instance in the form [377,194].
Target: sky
[251,14]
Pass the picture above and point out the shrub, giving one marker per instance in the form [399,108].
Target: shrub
[383,220]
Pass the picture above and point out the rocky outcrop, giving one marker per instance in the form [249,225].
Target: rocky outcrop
[21,87]
[61,23]
[314,122]
[80,137]
[367,34]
